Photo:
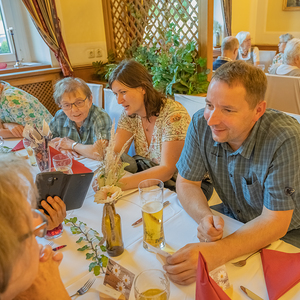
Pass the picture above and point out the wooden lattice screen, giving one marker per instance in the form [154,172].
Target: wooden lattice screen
[43,91]
[132,21]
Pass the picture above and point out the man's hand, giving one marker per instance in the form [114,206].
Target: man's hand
[14,128]
[210,228]
[47,284]
[57,212]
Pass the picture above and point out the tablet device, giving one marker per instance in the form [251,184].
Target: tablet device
[71,188]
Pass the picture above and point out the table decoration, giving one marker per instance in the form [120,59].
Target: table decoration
[39,141]
[94,243]
[108,174]
[281,271]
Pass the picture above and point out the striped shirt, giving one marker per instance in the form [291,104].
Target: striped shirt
[264,171]
[96,125]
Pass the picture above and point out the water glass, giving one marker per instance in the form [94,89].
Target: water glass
[152,285]
[151,197]
[62,163]
[30,152]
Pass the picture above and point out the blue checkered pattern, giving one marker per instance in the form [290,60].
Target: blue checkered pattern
[96,125]
[264,171]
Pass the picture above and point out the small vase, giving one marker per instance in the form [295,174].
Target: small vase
[112,223]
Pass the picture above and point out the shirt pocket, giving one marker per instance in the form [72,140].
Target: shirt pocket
[253,193]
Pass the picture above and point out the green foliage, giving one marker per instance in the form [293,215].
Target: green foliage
[4,47]
[93,245]
[175,67]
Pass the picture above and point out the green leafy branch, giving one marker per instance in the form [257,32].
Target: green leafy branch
[93,243]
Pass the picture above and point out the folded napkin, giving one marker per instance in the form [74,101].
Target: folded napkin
[77,167]
[206,287]
[19,146]
[281,270]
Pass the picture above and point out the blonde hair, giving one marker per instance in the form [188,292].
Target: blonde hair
[16,186]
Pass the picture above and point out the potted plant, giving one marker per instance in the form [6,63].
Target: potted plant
[175,67]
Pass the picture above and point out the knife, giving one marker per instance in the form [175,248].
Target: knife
[250,294]
[165,204]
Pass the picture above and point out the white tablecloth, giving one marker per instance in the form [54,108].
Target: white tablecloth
[180,229]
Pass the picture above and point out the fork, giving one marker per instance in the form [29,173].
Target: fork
[85,287]
[243,262]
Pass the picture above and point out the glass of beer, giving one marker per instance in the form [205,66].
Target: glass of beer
[30,152]
[151,196]
[152,285]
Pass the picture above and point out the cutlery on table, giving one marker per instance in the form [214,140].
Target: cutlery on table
[250,294]
[85,287]
[139,221]
[243,262]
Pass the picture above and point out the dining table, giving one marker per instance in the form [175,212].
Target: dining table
[179,229]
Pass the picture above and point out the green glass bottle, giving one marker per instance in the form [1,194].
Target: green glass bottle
[112,223]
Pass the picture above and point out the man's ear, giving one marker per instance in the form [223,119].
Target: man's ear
[260,109]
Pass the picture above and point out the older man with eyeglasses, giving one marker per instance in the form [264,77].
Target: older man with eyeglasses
[79,123]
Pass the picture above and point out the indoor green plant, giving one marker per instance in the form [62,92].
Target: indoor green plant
[175,67]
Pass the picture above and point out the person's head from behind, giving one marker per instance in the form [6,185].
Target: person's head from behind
[230,46]
[291,54]
[74,97]
[19,251]
[132,85]
[283,39]
[244,39]
[234,102]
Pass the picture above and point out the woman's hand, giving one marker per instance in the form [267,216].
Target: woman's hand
[62,143]
[57,211]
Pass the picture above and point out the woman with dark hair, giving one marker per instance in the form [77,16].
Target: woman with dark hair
[158,125]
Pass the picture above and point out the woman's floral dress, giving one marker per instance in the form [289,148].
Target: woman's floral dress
[171,125]
[17,106]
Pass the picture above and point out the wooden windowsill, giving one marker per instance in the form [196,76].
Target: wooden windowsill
[25,67]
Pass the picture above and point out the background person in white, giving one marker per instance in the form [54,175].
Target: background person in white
[252,157]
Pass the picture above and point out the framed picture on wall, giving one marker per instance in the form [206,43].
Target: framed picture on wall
[291,5]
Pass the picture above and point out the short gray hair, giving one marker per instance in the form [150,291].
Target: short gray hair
[292,51]
[16,186]
[284,38]
[229,43]
[70,85]
[251,78]
[241,36]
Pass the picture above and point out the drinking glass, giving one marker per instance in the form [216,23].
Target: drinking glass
[151,196]
[55,232]
[152,285]
[29,152]
[262,67]
[62,163]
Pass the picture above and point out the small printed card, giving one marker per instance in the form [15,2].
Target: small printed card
[119,278]
[220,276]
[161,255]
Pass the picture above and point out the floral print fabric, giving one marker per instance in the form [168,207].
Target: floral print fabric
[17,106]
[171,125]
[278,59]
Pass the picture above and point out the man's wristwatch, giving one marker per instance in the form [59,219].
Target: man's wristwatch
[73,145]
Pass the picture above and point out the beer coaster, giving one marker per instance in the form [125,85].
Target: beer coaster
[220,276]
[118,278]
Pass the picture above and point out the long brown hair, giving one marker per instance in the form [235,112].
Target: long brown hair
[134,75]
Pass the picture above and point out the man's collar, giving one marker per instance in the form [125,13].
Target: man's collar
[224,58]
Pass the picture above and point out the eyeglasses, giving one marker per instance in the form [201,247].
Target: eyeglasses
[41,229]
[68,106]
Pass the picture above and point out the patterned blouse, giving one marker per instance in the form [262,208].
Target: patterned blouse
[17,106]
[171,125]
[278,59]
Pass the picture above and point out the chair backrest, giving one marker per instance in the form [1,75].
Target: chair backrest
[283,93]
[115,110]
[266,58]
[297,117]
[96,90]
[191,103]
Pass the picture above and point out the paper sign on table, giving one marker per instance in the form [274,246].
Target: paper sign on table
[108,293]
[161,255]
[119,278]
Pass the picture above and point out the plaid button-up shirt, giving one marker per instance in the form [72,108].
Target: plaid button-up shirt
[264,171]
[96,125]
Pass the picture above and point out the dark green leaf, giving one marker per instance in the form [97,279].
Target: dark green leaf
[73,220]
[92,265]
[89,255]
[83,248]
[79,240]
[103,248]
